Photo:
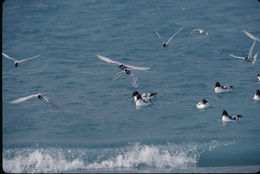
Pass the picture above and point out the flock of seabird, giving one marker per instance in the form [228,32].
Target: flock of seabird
[222,89]
[39,95]
[144,99]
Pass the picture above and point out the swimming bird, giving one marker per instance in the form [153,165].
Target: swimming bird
[258,76]
[226,117]
[143,99]
[39,96]
[221,89]
[201,31]
[251,36]
[166,44]
[257,95]
[249,58]
[16,62]
[127,69]
[202,104]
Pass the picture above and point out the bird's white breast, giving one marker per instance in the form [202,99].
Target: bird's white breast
[256,97]
[140,102]
[200,105]
[220,90]
[225,118]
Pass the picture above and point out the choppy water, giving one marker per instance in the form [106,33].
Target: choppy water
[100,129]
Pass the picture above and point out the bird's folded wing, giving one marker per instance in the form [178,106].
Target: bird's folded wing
[23,98]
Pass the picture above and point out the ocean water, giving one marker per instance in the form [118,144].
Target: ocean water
[100,129]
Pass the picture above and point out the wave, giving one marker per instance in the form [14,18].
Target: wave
[133,157]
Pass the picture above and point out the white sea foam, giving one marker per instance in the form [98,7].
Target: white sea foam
[39,160]
[151,156]
[134,157]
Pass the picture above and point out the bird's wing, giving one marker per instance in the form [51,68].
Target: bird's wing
[106,59]
[196,29]
[251,49]
[118,75]
[158,35]
[24,98]
[251,36]
[236,56]
[20,61]
[174,35]
[115,62]
[49,101]
[254,58]
[8,57]
[137,68]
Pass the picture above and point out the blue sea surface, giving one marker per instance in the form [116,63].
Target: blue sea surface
[99,128]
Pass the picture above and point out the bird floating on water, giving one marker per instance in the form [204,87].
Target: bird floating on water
[202,104]
[221,89]
[143,99]
[226,117]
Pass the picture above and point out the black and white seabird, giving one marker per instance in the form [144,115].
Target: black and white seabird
[143,99]
[202,104]
[226,117]
[221,89]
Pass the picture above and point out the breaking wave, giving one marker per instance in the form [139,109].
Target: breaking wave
[133,156]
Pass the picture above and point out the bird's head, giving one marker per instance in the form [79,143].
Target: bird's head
[135,93]
[204,101]
[224,113]
[217,84]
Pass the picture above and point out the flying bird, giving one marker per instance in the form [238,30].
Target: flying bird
[16,62]
[201,31]
[166,43]
[249,58]
[127,69]
[39,96]
[121,65]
